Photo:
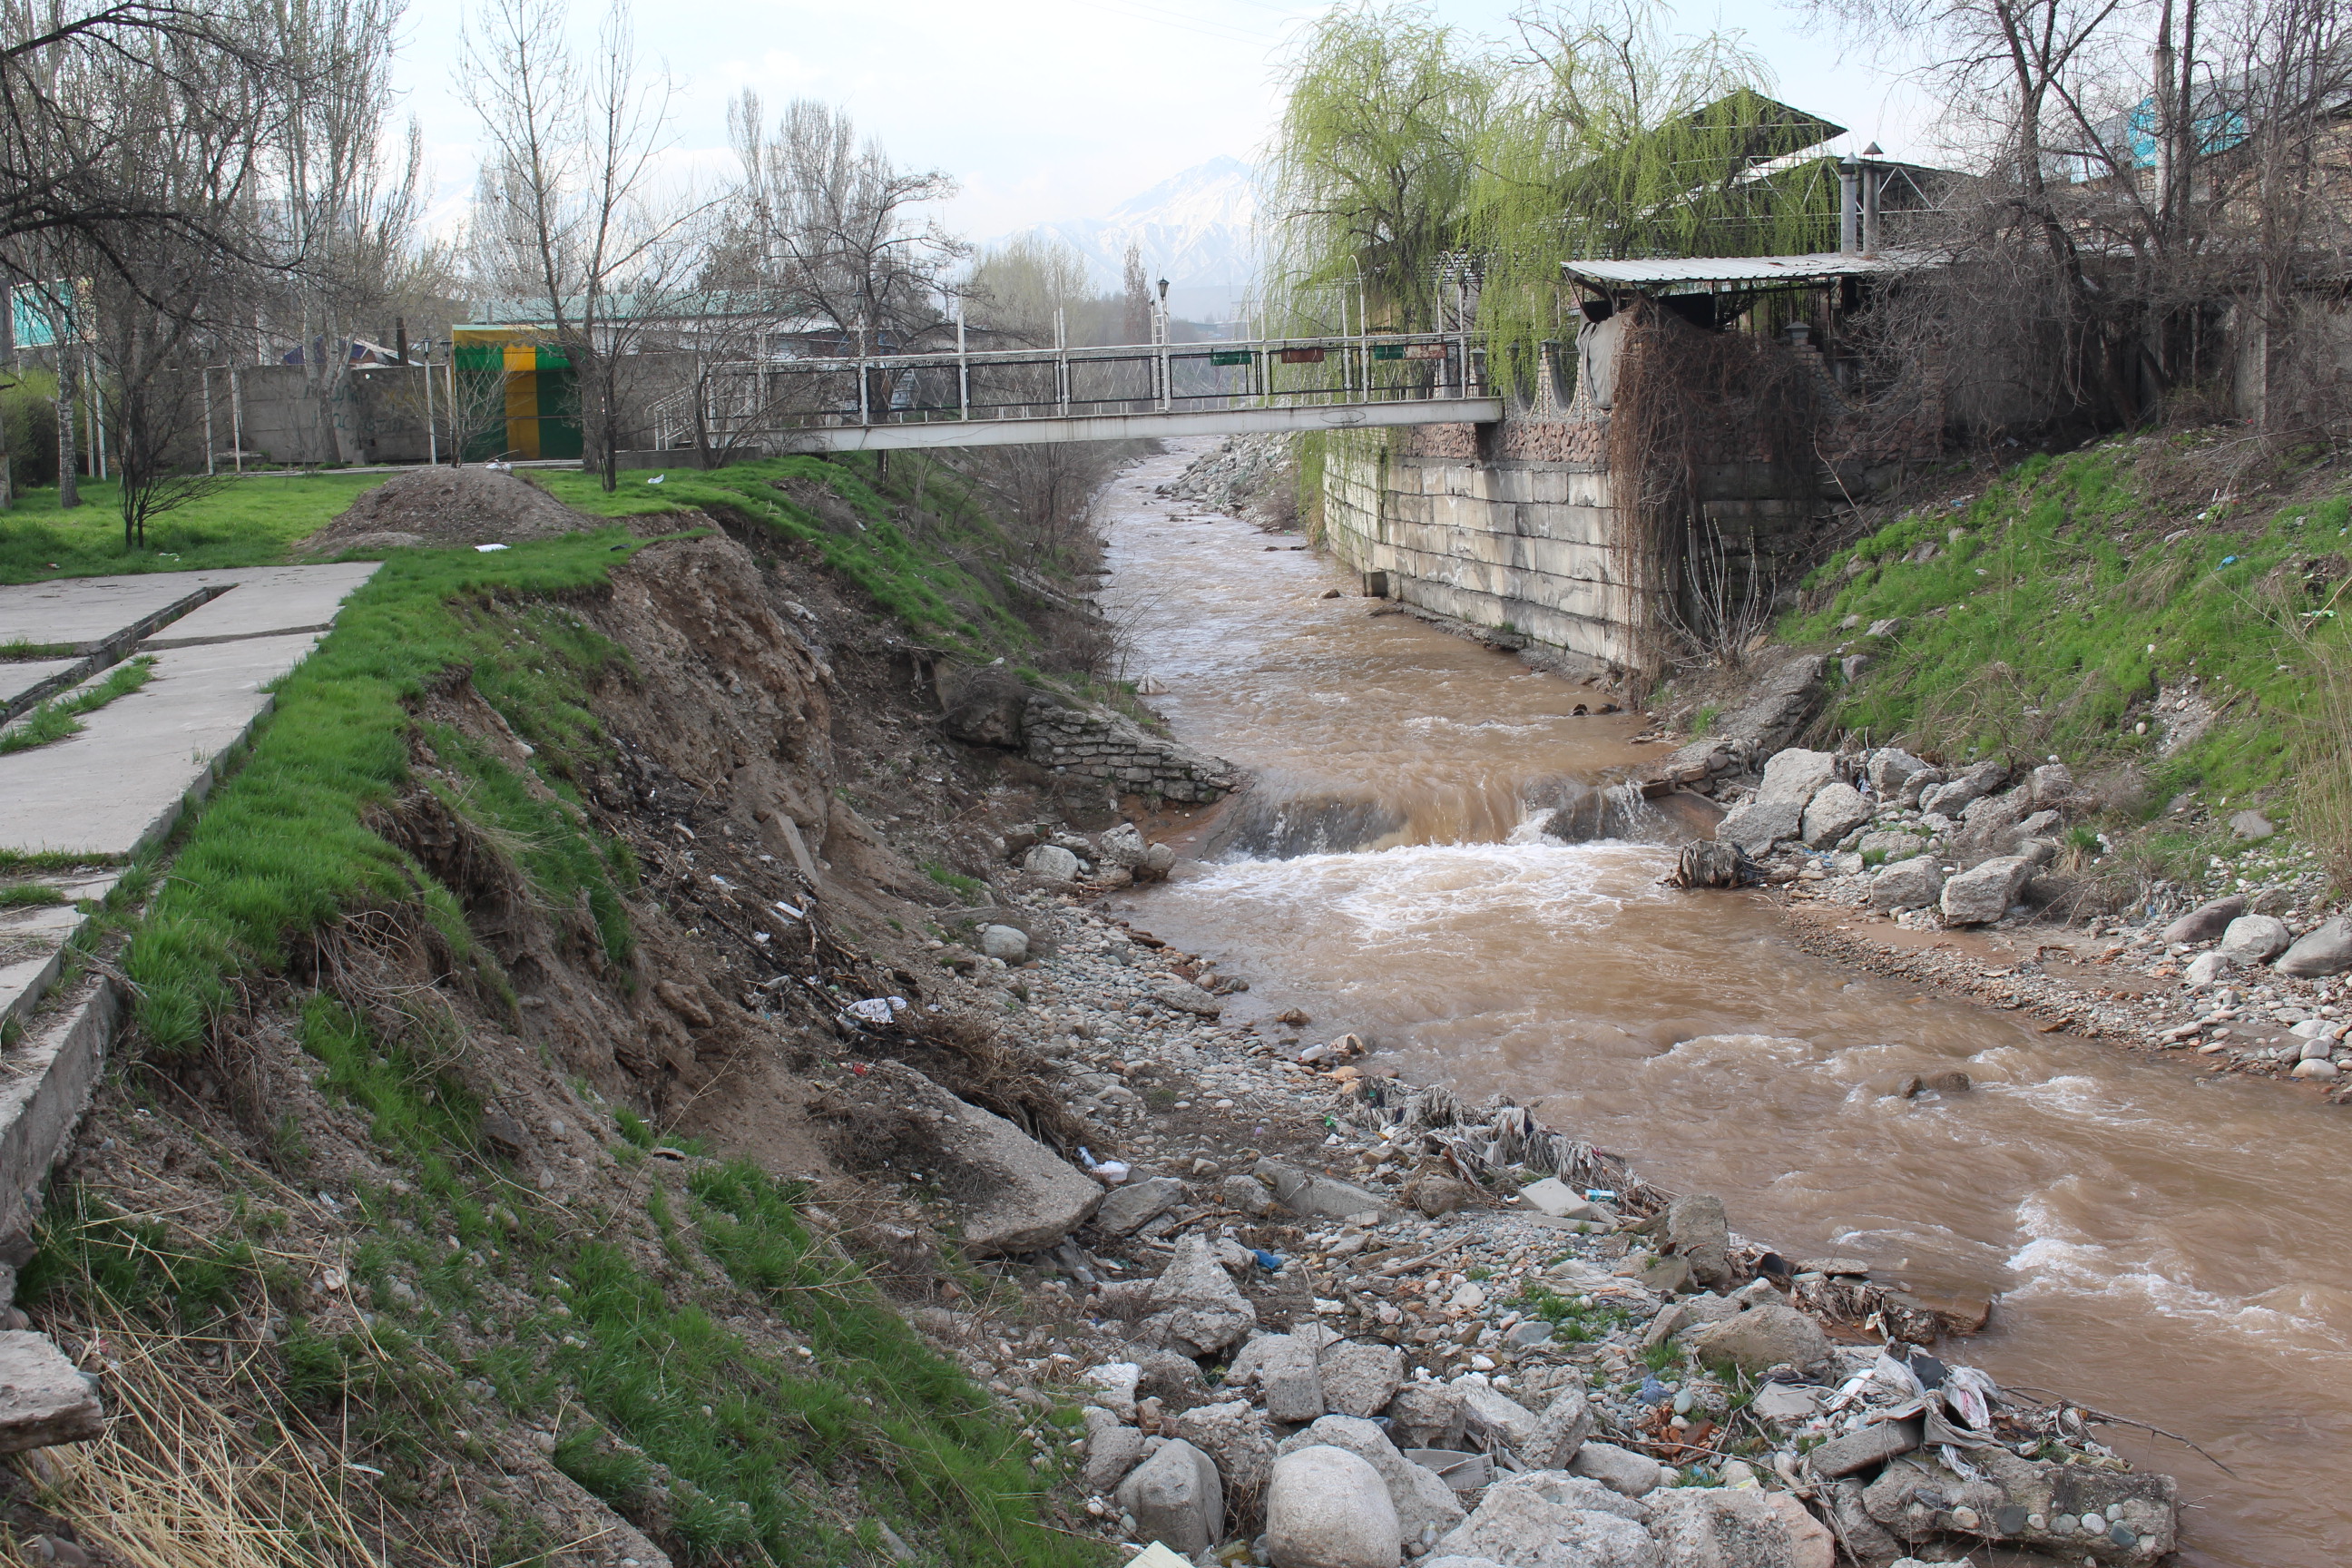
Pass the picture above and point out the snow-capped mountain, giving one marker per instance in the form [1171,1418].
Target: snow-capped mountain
[1197,229]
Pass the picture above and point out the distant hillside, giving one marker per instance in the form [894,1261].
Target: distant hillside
[1197,229]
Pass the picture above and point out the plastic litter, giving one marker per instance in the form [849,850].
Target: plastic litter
[657,478]
[1271,1262]
[486,549]
[875,1009]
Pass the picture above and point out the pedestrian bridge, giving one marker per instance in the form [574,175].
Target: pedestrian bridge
[1008,396]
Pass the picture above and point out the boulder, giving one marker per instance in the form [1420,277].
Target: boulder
[1051,863]
[1327,1507]
[1850,1453]
[2326,949]
[2026,1503]
[1983,893]
[1560,1431]
[2050,785]
[1176,1500]
[1204,1313]
[1420,1497]
[1128,1208]
[2255,938]
[1837,810]
[1549,1519]
[1699,1234]
[1158,859]
[1777,811]
[1235,1435]
[1360,1377]
[2207,969]
[987,712]
[1286,1373]
[1008,944]
[1112,1451]
[1488,1411]
[1699,1527]
[1758,1341]
[1245,1195]
[1124,845]
[1786,700]
[1972,785]
[1913,884]
[1017,1196]
[1183,996]
[1428,1415]
[1173,1380]
[1889,769]
[2206,921]
[2252,825]
[1621,1470]
[1114,1383]
[1437,1196]
[1325,1198]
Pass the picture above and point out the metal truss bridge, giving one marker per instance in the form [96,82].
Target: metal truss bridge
[1008,396]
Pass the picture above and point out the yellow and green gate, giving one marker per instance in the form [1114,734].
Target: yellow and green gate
[542,401]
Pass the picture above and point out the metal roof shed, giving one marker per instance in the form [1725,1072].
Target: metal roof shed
[1739,274]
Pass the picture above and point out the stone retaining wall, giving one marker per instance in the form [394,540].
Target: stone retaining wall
[1094,742]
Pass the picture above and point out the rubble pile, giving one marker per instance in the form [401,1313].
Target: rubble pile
[2258,965]
[1320,1319]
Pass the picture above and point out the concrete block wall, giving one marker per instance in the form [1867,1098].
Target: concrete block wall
[1095,743]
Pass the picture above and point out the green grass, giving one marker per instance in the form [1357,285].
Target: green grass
[54,720]
[245,522]
[29,896]
[968,888]
[950,583]
[283,849]
[2049,623]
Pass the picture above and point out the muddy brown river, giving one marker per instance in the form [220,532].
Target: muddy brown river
[2173,1250]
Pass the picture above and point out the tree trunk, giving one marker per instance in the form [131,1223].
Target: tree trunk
[69,479]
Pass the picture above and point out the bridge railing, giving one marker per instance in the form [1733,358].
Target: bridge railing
[738,403]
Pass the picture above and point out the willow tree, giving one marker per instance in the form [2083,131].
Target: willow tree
[1374,165]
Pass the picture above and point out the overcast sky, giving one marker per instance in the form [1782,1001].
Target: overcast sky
[1045,109]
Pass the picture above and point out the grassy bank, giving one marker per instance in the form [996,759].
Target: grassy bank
[2062,609]
[244,522]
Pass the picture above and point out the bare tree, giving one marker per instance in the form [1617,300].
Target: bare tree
[568,213]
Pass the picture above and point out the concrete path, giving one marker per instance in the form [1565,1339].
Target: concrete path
[24,682]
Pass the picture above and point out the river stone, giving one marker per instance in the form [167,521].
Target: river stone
[1359,1378]
[1756,1341]
[1158,859]
[1487,1410]
[1008,944]
[1126,1208]
[1124,845]
[1621,1470]
[1833,813]
[1983,893]
[1889,769]
[2207,968]
[1912,884]
[2319,1068]
[1235,1435]
[2252,825]
[2255,938]
[1972,785]
[1549,1519]
[1419,1494]
[1700,1527]
[1204,1313]
[1327,1507]
[1183,996]
[1699,1234]
[1560,1431]
[1428,1415]
[1176,1500]
[2326,949]
[1777,811]
[1051,863]
[2206,921]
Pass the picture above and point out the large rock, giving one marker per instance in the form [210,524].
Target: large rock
[1327,1507]
[44,1399]
[1758,1341]
[1549,1519]
[1983,893]
[1008,944]
[2206,921]
[986,710]
[2326,949]
[1112,1449]
[1889,769]
[1851,1453]
[1176,1500]
[1051,863]
[1325,1198]
[1017,1196]
[1488,1411]
[1183,996]
[1235,1435]
[1786,700]
[1972,784]
[2021,1502]
[2050,785]
[1419,1495]
[1777,811]
[1428,1415]
[1699,1234]
[1913,884]
[1837,810]
[1124,845]
[1126,1208]
[1560,1431]
[1698,1527]
[1172,1379]
[2255,938]
[1286,1373]
[1204,1310]
[1621,1470]
[1359,1378]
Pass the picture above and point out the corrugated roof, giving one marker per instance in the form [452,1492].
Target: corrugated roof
[1692,274]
